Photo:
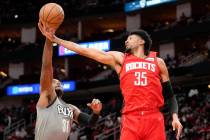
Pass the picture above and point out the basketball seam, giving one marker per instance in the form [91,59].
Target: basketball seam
[49,13]
[54,23]
[55,16]
[43,13]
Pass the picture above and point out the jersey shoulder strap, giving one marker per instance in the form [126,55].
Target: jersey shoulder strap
[152,57]
[152,54]
[124,57]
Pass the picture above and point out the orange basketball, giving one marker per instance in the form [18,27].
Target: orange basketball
[51,14]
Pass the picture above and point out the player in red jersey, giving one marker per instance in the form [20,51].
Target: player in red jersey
[143,78]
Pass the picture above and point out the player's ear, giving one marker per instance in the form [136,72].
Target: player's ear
[141,42]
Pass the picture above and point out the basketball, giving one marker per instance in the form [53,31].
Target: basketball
[51,14]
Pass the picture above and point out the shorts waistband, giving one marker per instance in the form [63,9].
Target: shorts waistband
[142,112]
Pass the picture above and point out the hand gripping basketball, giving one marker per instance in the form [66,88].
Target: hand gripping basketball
[47,31]
[51,14]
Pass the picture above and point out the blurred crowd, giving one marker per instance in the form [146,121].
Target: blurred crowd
[13,114]
[13,11]
[27,111]
[194,112]
[197,53]
[182,22]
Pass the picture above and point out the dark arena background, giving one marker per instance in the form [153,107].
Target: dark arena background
[180,30]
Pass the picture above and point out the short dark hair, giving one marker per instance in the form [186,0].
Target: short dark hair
[146,37]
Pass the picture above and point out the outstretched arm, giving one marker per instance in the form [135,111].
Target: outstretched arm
[112,58]
[169,95]
[86,119]
[46,92]
[98,55]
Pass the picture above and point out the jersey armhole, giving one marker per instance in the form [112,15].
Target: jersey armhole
[125,55]
[52,102]
[153,54]
[74,112]
[41,108]
[156,62]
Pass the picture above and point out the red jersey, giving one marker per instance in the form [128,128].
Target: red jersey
[140,83]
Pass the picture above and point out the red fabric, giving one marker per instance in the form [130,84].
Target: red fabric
[140,83]
[143,126]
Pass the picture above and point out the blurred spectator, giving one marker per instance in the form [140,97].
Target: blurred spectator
[23,132]
[17,132]
[9,120]
[193,92]
[108,122]
[32,106]
[170,63]
[1,131]
[183,19]
[208,46]
[60,73]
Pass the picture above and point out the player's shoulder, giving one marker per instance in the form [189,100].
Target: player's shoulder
[46,101]
[76,110]
[118,56]
[161,62]
[73,107]
[116,53]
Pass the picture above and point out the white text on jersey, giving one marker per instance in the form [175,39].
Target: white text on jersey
[140,65]
[67,112]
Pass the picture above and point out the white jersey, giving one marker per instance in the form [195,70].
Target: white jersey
[54,122]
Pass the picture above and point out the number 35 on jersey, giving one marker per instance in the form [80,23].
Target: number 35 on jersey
[141,79]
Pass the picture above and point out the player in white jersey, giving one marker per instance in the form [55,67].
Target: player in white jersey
[54,116]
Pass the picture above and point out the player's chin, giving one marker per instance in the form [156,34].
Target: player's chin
[127,49]
[59,91]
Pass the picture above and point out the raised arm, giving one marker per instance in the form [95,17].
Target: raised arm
[169,95]
[46,92]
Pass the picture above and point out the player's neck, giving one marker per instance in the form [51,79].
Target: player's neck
[139,52]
